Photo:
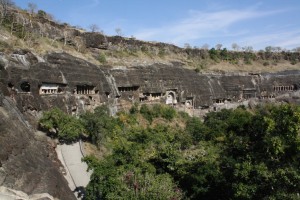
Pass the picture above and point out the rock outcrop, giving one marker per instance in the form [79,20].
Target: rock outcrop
[28,162]
[10,194]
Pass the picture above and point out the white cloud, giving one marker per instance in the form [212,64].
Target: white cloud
[199,25]
[285,39]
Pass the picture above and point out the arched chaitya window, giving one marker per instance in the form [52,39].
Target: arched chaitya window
[25,87]
[171,97]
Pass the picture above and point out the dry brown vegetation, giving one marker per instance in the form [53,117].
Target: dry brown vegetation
[23,30]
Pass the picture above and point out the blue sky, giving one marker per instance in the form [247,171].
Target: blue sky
[197,22]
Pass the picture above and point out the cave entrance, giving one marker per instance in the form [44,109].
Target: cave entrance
[189,102]
[52,88]
[128,89]
[107,94]
[295,87]
[10,85]
[85,89]
[171,97]
[25,87]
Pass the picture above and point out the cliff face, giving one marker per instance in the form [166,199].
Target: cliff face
[75,85]
[203,89]
[27,161]
[32,84]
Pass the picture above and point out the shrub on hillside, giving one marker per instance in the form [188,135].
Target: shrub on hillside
[102,58]
[168,113]
[157,110]
[147,113]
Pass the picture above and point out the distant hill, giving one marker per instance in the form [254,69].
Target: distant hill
[40,34]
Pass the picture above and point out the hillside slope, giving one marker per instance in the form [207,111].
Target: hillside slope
[40,34]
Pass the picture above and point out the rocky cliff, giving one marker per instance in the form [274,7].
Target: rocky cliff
[28,161]
[75,85]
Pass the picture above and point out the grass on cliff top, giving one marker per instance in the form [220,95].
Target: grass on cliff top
[125,57]
[41,46]
[255,66]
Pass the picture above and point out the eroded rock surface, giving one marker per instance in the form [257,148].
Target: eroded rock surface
[10,194]
[75,85]
[28,163]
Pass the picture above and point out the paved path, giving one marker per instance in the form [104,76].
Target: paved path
[70,156]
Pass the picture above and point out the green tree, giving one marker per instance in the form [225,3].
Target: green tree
[130,171]
[111,182]
[60,125]
[233,154]
[98,124]
[214,54]
[197,129]
[168,113]
[261,152]
[199,172]
[224,54]
[70,129]
[41,14]
[146,112]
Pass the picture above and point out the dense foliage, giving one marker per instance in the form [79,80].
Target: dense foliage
[232,154]
[156,111]
[98,124]
[60,125]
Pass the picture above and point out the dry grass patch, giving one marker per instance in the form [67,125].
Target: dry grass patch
[91,149]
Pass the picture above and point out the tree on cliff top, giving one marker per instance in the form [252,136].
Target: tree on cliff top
[94,28]
[32,7]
